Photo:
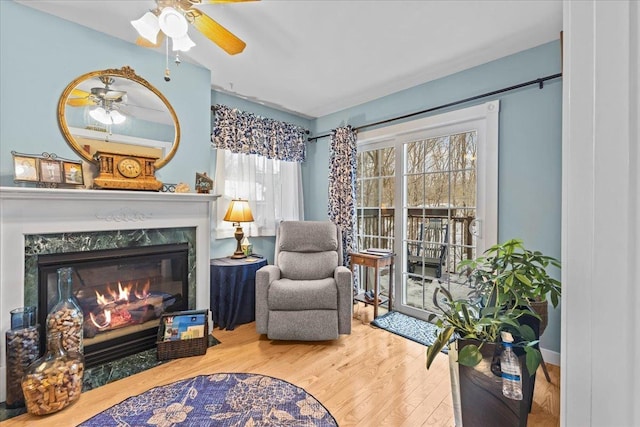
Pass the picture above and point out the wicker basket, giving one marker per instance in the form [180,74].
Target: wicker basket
[182,348]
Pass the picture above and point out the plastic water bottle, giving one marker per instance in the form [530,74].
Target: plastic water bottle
[510,367]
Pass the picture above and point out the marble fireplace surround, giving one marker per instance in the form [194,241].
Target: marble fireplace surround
[41,211]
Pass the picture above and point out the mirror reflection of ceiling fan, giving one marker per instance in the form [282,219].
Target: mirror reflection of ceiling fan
[98,95]
[172,18]
[104,98]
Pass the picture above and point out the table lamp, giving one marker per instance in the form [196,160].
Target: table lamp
[238,212]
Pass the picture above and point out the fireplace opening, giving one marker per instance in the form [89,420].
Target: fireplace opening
[122,293]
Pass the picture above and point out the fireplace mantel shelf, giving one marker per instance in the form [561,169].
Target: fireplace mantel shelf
[86,195]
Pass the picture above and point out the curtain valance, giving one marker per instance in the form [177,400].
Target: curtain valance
[244,132]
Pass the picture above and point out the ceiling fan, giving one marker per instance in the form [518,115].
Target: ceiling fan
[104,98]
[98,95]
[172,17]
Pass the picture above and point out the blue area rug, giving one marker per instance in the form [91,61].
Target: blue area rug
[408,327]
[226,399]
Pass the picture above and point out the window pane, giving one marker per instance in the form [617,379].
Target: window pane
[415,157]
[371,192]
[463,188]
[463,151]
[437,189]
[415,190]
[437,154]
[388,191]
[388,164]
[369,164]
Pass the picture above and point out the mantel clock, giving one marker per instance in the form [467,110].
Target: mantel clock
[126,171]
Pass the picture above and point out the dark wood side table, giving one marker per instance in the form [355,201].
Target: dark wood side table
[233,290]
[376,261]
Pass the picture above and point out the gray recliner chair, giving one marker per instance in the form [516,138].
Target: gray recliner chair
[307,294]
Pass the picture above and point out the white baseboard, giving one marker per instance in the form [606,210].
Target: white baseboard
[552,357]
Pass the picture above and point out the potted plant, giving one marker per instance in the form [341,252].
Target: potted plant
[505,281]
[521,275]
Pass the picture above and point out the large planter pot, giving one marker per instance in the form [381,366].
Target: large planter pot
[542,309]
[481,400]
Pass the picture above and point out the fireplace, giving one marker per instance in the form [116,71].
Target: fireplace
[122,293]
[42,221]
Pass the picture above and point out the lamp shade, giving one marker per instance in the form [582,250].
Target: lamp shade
[100,114]
[183,43]
[107,117]
[147,26]
[238,211]
[116,117]
[173,23]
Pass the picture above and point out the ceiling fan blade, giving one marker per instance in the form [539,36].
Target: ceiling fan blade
[216,32]
[80,102]
[141,41]
[79,93]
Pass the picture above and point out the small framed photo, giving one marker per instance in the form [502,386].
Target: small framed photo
[204,184]
[72,173]
[50,171]
[25,168]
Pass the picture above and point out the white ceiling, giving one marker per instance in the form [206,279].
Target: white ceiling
[316,57]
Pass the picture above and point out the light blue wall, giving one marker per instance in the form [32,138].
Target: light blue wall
[261,245]
[41,54]
[530,139]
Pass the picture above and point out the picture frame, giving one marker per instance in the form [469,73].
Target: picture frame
[50,171]
[72,173]
[25,168]
[204,184]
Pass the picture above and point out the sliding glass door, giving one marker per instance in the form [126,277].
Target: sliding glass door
[440,207]
[427,190]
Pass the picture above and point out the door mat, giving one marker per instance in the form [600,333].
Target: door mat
[408,327]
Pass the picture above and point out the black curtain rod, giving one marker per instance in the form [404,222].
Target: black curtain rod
[539,82]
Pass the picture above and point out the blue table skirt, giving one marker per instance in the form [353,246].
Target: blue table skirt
[233,290]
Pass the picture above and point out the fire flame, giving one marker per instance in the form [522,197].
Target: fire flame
[107,319]
[144,293]
[101,299]
[116,301]
[123,294]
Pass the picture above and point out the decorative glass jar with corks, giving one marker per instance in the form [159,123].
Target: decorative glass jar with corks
[54,381]
[22,348]
[66,316]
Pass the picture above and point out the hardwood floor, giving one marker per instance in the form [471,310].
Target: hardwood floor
[369,378]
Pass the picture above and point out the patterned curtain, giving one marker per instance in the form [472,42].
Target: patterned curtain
[242,132]
[342,187]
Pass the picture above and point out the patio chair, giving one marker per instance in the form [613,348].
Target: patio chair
[431,249]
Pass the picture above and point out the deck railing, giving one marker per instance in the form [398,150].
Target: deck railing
[426,230]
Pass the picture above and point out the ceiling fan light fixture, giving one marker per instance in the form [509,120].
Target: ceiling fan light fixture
[173,23]
[116,117]
[182,44]
[147,26]
[107,117]
[100,114]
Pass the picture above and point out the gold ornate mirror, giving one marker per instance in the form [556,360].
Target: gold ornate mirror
[116,110]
